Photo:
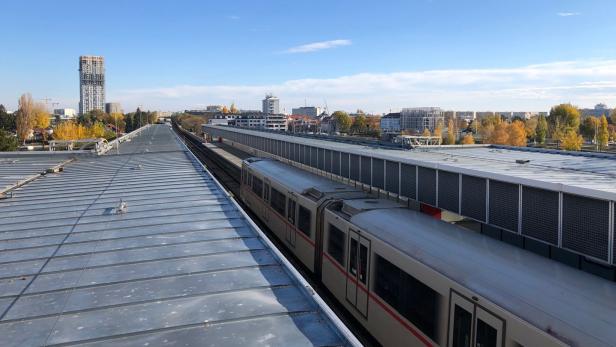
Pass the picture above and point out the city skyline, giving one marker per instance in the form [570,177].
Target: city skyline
[515,57]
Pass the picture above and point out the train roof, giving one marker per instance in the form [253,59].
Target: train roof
[577,307]
[588,174]
[296,179]
[178,264]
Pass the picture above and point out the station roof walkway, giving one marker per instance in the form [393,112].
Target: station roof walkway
[145,248]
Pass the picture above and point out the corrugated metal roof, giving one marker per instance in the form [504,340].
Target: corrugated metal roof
[181,266]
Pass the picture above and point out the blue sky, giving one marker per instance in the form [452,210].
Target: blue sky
[374,55]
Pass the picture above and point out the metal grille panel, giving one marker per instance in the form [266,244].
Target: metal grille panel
[321,159]
[378,179]
[427,185]
[336,162]
[392,177]
[540,223]
[504,198]
[313,157]
[306,155]
[354,173]
[448,191]
[345,165]
[408,184]
[586,225]
[328,161]
[366,175]
[474,197]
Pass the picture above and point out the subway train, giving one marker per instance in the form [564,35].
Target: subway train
[413,280]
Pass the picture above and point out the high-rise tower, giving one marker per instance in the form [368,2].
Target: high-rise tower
[91,83]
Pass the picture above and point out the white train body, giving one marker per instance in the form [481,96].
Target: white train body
[413,280]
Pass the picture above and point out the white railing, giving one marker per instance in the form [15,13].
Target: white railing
[115,143]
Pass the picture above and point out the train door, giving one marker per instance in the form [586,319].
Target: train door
[357,279]
[471,325]
[291,216]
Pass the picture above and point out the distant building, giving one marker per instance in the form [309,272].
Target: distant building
[113,107]
[598,111]
[390,123]
[91,84]
[260,120]
[419,118]
[467,116]
[214,108]
[310,111]
[65,113]
[271,104]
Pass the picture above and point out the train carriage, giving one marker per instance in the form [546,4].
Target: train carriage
[414,280]
[289,201]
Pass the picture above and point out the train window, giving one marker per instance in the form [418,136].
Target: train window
[291,211]
[487,336]
[353,258]
[462,320]
[257,186]
[266,192]
[411,298]
[335,246]
[278,201]
[363,263]
[303,220]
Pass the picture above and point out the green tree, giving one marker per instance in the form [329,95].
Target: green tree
[541,131]
[613,116]
[588,129]
[564,117]
[7,121]
[342,121]
[359,124]
[8,142]
[603,134]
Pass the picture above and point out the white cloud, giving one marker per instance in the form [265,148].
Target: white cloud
[317,46]
[233,17]
[568,14]
[532,87]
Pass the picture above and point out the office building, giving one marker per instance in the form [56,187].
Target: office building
[113,107]
[65,113]
[91,84]
[419,118]
[390,123]
[310,111]
[271,104]
[260,120]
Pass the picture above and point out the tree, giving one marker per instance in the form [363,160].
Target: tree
[603,135]
[225,110]
[451,132]
[571,141]
[8,142]
[517,134]
[530,126]
[342,121]
[233,109]
[7,121]
[468,139]
[500,135]
[40,116]
[426,132]
[25,118]
[613,116]
[589,127]
[97,130]
[117,120]
[564,117]
[541,132]
[359,124]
